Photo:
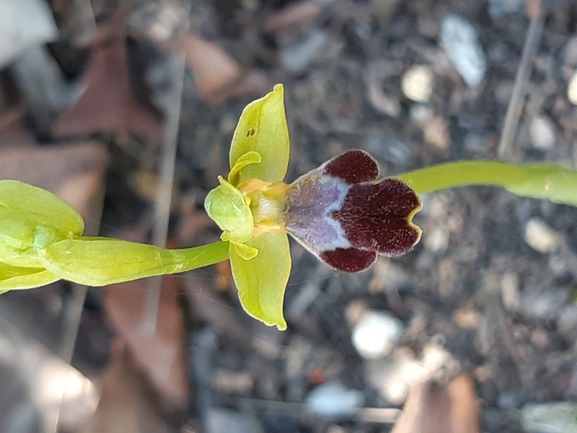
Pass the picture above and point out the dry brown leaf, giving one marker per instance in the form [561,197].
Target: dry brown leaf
[160,354]
[213,68]
[293,17]
[74,172]
[450,409]
[127,404]
[111,102]
[11,128]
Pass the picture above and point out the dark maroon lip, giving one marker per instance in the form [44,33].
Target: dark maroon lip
[340,214]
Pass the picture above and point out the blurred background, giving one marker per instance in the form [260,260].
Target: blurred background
[126,109]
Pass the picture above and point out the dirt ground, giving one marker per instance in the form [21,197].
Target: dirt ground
[481,314]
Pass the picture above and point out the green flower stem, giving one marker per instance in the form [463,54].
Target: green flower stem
[205,255]
[543,181]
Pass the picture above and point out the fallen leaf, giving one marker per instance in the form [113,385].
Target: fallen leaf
[112,101]
[74,172]
[127,403]
[160,354]
[450,409]
[213,68]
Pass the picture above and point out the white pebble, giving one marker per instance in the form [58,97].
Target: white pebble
[437,240]
[542,133]
[375,334]
[299,57]
[540,236]
[459,40]
[417,83]
[572,89]
[332,400]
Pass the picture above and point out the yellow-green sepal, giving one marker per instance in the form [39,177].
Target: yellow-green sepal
[226,206]
[95,261]
[263,128]
[18,278]
[37,207]
[31,218]
[102,261]
[261,281]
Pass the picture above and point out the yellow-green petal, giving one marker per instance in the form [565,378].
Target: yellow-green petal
[261,281]
[263,128]
[226,206]
[16,278]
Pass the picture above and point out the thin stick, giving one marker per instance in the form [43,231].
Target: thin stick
[164,193]
[505,150]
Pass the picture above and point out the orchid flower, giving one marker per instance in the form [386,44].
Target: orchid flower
[337,211]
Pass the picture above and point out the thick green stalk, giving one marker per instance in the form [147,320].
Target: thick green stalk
[543,181]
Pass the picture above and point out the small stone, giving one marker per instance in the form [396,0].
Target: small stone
[543,305]
[542,133]
[392,376]
[459,40]
[572,89]
[475,143]
[225,420]
[510,291]
[333,400]
[387,147]
[466,318]
[420,113]
[417,83]
[299,57]
[24,25]
[437,240]
[540,236]
[376,333]
[570,53]
[540,338]
[436,132]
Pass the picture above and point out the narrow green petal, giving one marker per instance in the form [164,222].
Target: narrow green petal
[248,158]
[263,128]
[103,261]
[16,278]
[262,281]
[226,206]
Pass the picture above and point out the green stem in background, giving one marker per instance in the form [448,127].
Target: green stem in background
[542,181]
